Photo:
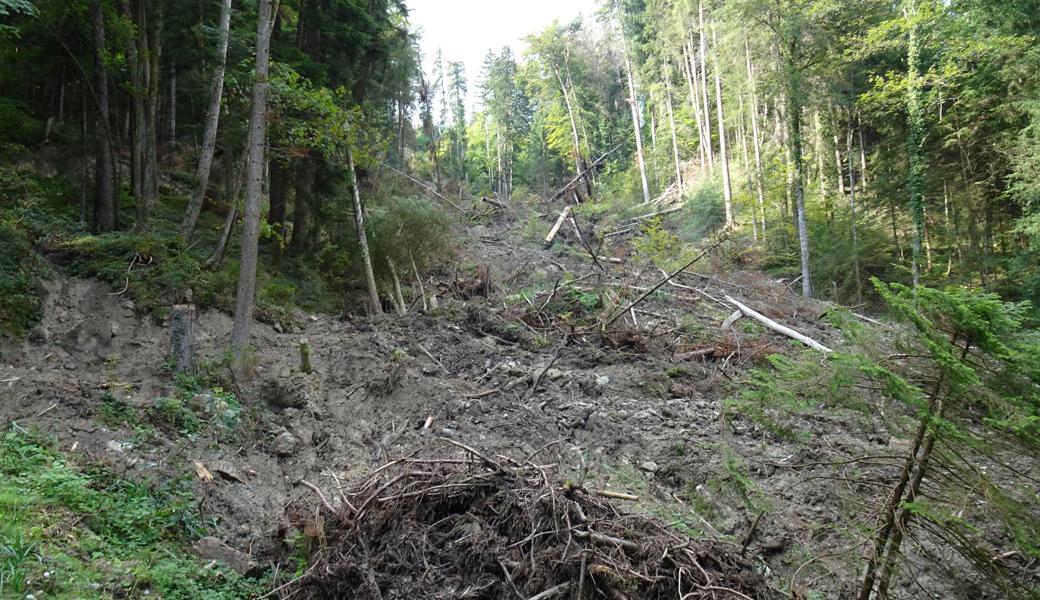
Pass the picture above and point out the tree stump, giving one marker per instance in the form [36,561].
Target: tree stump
[305,356]
[183,326]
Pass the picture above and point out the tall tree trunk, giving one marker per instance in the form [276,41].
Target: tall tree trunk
[691,83]
[915,141]
[675,140]
[374,306]
[632,104]
[821,176]
[862,158]
[254,176]
[781,115]
[138,136]
[794,138]
[757,143]
[705,105]
[104,169]
[150,184]
[727,187]
[745,161]
[838,163]
[854,226]
[232,186]
[574,123]
[209,136]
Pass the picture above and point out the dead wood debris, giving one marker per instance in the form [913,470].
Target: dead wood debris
[500,528]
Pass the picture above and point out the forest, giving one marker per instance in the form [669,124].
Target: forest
[699,299]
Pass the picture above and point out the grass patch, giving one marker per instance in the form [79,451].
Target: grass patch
[70,531]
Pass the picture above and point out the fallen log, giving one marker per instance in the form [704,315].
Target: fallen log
[771,324]
[556,228]
[659,213]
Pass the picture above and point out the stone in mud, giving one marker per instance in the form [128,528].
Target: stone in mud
[554,374]
[649,466]
[210,548]
[227,471]
[287,391]
[284,444]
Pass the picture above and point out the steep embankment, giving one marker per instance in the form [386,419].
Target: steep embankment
[647,407]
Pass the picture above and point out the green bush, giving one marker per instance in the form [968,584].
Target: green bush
[704,210]
[20,288]
[17,125]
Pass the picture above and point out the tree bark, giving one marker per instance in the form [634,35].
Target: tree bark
[854,226]
[727,187]
[757,143]
[794,138]
[675,140]
[105,214]
[183,326]
[706,105]
[574,123]
[209,136]
[636,125]
[915,141]
[137,111]
[691,83]
[359,221]
[254,175]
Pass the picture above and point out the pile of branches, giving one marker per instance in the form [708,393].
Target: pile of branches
[484,528]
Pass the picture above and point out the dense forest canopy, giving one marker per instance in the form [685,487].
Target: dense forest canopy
[263,157]
[900,133]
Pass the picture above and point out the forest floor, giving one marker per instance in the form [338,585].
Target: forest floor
[649,408]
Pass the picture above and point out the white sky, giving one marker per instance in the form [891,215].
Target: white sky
[464,30]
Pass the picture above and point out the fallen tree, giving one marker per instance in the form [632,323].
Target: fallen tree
[492,527]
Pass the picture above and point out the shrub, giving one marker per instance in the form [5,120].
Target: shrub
[704,210]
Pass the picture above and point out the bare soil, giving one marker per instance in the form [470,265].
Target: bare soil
[638,409]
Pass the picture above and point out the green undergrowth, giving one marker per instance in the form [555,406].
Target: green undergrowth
[71,530]
[30,215]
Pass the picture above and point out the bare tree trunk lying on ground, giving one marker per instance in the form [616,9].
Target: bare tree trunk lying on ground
[771,324]
[549,239]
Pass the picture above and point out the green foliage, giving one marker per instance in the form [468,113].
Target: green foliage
[173,414]
[408,228]
[704,210]
[781,397]
[155,271]
[16,124]
[661,247]
[20,287]
[126,536]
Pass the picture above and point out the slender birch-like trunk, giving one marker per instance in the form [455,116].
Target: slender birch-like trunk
[209,136]
[675,140]
[574,123]
[359,221]
[632,103]
[756,141]
[915,141]
[706,105]
[691,83]
[852,217]
[727,187]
